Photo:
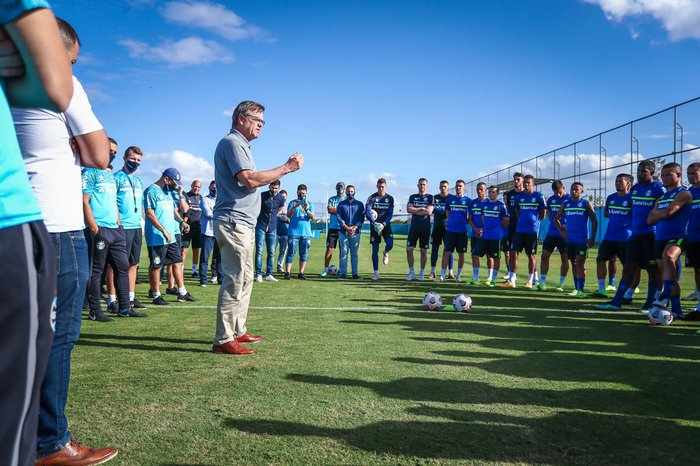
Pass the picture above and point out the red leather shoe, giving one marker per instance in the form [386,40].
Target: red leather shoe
[248,338]
[77,454]
[232,347]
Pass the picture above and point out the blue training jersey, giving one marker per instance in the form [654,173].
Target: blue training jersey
[529,207]
[619,210]
[476,212]
[161,203]
[458,207]
[576,216]
[672,227]
[102,188]
[420,200]
[554,203]
[300,222]
[129,199]
[493,214]
[333,202]
[644,197]
[693,232]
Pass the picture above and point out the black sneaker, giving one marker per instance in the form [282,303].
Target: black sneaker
[136,304]
[195,275]
[113,307]
[287,276]
[341,276]
[159,301]
[173,291]
[301,276]
[626,300]
[186,298]
[132,313]
[99,316]
[151,294]
[356,277]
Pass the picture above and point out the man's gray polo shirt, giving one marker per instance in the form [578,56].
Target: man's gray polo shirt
[234,202]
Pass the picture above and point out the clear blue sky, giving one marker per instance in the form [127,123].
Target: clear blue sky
[441,89]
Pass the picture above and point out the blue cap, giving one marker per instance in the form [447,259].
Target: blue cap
[172,173]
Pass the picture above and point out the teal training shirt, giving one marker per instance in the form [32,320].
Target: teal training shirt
[162,205]
[101,187]
[129,199]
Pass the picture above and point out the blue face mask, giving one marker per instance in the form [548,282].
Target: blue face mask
[212,192]
[131,166]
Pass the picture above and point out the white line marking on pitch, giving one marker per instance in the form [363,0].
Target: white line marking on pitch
[272,308]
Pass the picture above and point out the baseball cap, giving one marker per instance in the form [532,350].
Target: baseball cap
[172,173]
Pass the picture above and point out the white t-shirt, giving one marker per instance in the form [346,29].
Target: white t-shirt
[53,168]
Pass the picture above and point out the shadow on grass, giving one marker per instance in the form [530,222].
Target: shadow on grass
[158,343]
[561,438]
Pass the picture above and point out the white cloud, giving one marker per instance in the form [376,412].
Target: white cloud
[189,165]
[185,52]
[680,18]
[228,113]
[213,17]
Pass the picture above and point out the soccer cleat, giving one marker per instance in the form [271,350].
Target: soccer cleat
[410,277]
[441,278]
[159,301]
[98,316]
[560,288]
[610,288]
[692,296]
[451,276]
[580,294]
[270,278]
[661,302]
[113,307]
[573,293]
[186,298]
[258,278]
[678,315]
[173,291]
[646,309]
[599,294]
[528,285]
[626,300]
[607,307]
[541,287]
[508,284]
[473,282]
[136,304]
[489,283]
[432,276]
[636,290]
[131,313]
[324,273]
[385,259]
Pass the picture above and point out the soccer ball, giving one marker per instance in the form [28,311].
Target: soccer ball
[462,303]
[658,316]
[432,301]
[332,270]
[373,214]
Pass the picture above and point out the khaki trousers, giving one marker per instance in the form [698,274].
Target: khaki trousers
[237,245]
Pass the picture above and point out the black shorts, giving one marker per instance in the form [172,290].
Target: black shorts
[660,246]
[134,239]
[526,241]
[332,238]
[438,233]
[374,237]
[455,241]
[165,254]
[194,236]
[640,251]
[692,254]
[575,251]
[489,247]
[611,249]
[551,243]
[418,235]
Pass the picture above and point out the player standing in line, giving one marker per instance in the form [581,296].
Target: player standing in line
[457,210]
[509,201]
[476,222]
[670,215]
[333,225]
[692,249]
[553,240]
[494,221]
[618,211]
[420,206]
[529,209]
[439,224]
[640,247]
[576,213]
[383,204]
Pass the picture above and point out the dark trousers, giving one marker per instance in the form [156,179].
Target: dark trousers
[108,246]
[26,334]
[209,248]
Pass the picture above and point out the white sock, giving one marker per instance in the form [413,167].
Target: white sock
[543,279]
[490,274]
[476,273]
[111,298]
[512,277]
[182,290]
[156,294]
[132,295]
[531,277]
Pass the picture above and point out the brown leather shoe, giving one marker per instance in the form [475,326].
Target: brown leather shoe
[77,454]
[248,338]
[231,347]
